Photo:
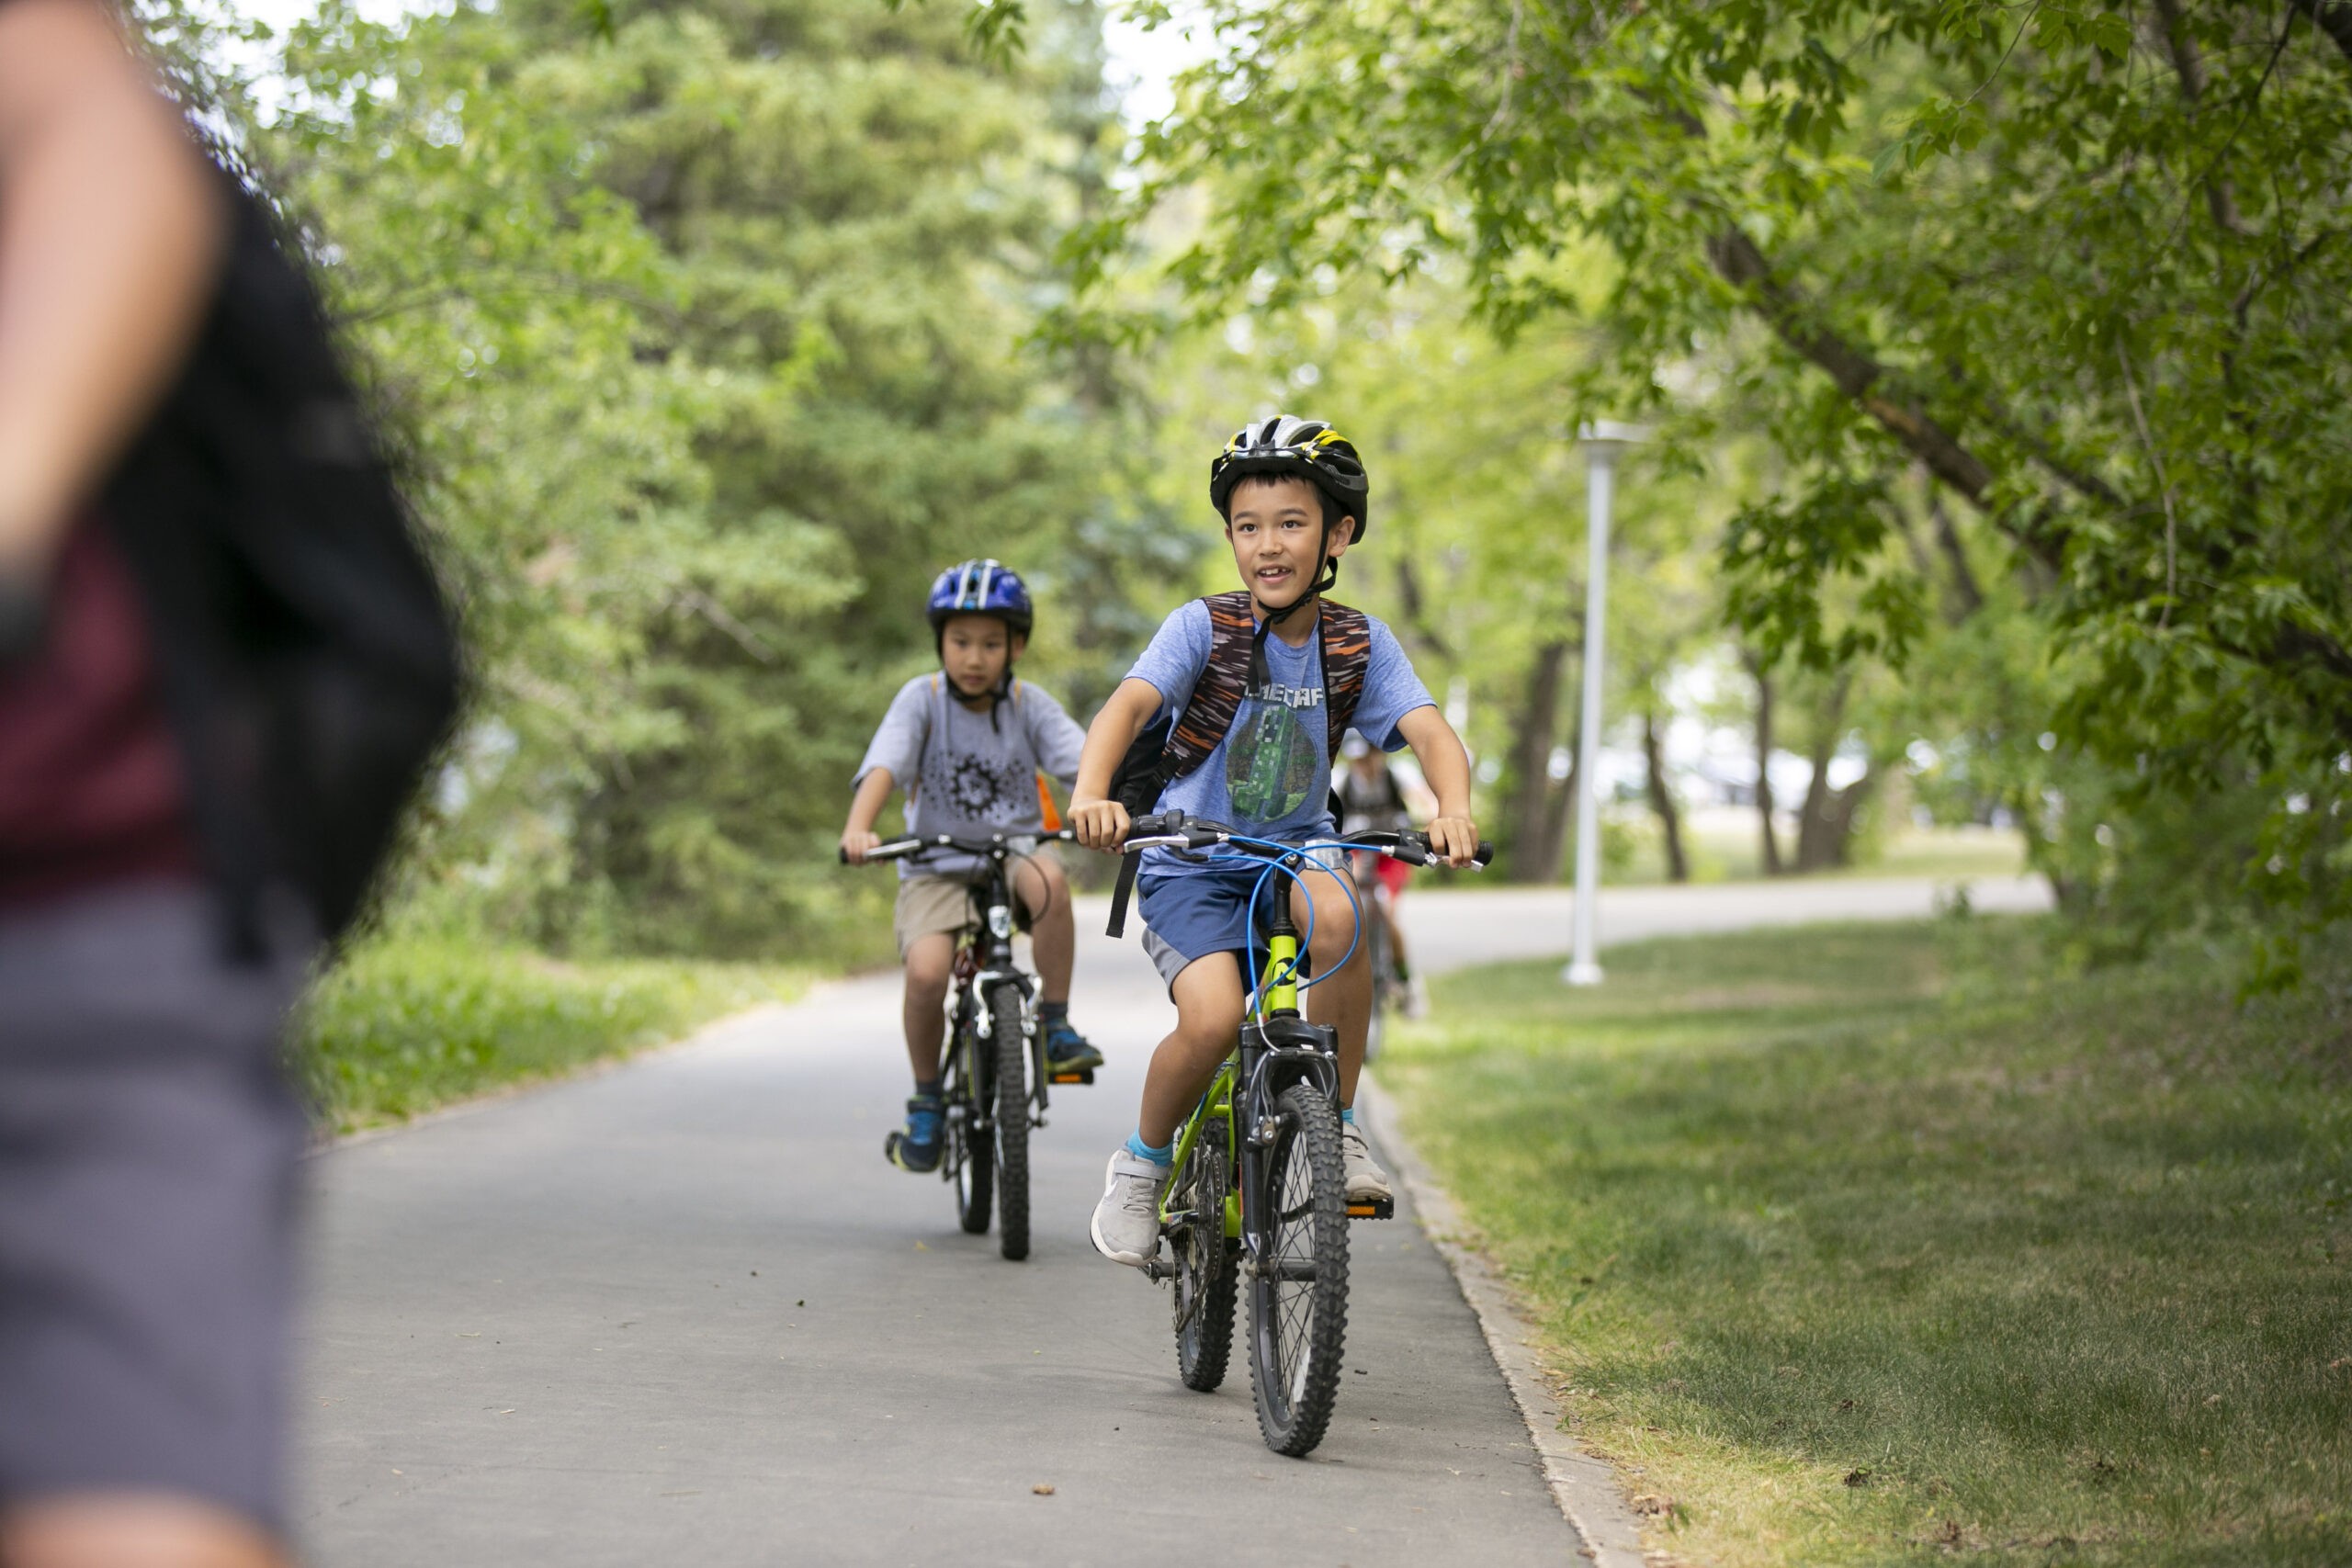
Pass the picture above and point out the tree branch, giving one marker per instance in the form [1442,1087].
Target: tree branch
[1858,375]
[2293,650]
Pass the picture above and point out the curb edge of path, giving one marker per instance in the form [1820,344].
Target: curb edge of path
[1584,1487]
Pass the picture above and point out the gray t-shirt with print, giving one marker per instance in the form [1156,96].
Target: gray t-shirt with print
[967,772]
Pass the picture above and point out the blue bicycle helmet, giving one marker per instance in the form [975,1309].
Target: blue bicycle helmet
[981,588]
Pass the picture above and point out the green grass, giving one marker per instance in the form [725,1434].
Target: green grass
[1876,1243]
[1724,846]
[404,1024]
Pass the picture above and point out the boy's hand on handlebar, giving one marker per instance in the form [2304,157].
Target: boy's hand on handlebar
[1454,840]
[1099,824]
[858,843]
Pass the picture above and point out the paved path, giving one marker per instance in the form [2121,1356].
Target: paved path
[682,1312]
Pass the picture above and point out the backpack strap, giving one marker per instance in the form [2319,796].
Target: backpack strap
[1347,660]
[1216,696]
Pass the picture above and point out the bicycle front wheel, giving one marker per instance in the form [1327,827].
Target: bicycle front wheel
[1298,1291]
[1012,1122]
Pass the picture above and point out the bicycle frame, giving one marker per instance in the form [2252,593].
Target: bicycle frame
[993,967]
[1276,1048]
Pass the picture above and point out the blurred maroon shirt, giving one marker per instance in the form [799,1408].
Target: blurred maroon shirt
[91,790]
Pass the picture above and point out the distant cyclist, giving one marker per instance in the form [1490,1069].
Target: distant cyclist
[1372,798]
[967,743]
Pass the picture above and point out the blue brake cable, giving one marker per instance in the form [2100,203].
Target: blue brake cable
[1249,917]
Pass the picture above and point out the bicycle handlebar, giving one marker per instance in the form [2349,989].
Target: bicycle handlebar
[928,843]
[1175,831]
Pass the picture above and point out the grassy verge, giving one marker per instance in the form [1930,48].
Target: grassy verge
[404,1024]
[1874,1244]
[1722,846]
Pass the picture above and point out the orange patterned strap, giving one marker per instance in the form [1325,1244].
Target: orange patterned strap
[1347,660]
[1217,694]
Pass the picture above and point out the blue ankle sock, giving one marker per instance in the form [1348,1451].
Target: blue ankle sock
[1165,1154]
[1348,1115]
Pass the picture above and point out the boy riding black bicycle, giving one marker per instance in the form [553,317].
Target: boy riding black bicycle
[967,743]
[1241,702]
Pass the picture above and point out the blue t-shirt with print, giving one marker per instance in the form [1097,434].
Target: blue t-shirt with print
[1272,773]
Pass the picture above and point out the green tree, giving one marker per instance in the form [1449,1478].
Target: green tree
[2083,265]
[705,329]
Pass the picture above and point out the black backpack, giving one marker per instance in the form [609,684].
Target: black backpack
[305,652]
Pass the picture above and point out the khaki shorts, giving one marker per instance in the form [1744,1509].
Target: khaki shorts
[930,904]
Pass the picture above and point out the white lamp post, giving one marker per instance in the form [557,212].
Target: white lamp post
[1603,441]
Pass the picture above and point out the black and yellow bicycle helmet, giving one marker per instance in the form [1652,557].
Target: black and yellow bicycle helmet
[1307,448]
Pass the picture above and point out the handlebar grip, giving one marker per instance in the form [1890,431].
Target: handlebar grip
[843,854]
[1486,855]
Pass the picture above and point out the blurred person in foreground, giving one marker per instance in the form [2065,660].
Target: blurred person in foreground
[199,769]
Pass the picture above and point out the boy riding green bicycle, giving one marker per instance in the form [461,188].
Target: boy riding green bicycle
[1234,713]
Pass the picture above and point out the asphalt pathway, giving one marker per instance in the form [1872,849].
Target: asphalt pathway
[682,1312]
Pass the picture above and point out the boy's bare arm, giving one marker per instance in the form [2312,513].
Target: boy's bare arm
[858,836]
[1099,822]
[1446,765]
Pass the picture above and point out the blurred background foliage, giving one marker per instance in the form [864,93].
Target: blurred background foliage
[1997,357]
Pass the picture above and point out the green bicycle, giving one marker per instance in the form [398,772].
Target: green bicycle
[1258,1191]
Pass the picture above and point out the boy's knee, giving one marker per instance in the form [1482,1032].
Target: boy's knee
[1335,930]
[1207,1027]
[1044,887]
[929,966]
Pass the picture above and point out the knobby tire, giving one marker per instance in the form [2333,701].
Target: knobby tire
[1205,1272]
[1298,1327]
[1012,1122]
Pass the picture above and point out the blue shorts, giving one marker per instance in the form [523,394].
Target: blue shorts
[1193,915]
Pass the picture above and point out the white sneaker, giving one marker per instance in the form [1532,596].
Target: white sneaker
[1366,1180]
[1126,1221]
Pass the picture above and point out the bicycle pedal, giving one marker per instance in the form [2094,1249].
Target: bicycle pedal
[1084,1074]
[1378,1209]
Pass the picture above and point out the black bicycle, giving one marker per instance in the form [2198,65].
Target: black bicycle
[1258,1191]
[993,1076]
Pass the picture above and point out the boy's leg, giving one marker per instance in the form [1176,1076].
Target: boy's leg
[930,911]
[930,965]
[1209,1000]
[1209,1003]
[1043,887]
[1343,1001]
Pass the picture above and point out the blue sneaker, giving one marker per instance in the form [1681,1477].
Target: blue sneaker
[916,1146]
[1067,1051]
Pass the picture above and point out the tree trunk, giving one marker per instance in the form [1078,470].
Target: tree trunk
[1550,859]
[1532,762]
[1814,849]
[1764,761]
[1669,816]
